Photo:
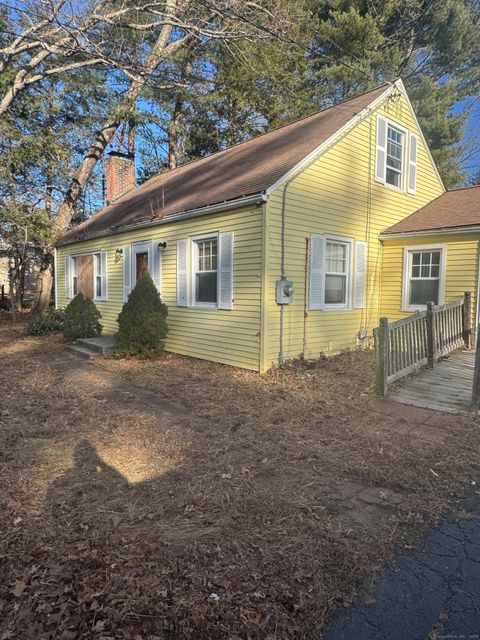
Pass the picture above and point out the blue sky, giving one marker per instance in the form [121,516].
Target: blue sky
[472,133]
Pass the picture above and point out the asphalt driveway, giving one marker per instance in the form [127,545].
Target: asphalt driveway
[430,592]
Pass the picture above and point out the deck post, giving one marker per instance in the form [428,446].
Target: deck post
[431,335]
[381,372]
[467,319]
[476,375]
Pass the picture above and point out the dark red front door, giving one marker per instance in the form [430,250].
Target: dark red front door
[142,263]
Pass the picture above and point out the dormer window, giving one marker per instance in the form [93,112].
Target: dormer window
[395,157]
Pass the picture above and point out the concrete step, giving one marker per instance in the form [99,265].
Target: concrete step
[103,345]
[83,352]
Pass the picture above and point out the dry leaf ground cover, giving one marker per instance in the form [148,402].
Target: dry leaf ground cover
[176,498]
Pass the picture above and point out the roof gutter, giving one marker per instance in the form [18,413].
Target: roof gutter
[256,198]
[431,232]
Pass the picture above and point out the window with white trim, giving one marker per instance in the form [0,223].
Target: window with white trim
[395,156]
[337,272]
[205,270]
[334,281]
[396,163]
[73,269]
[97,261]
[86,274]
[424,277]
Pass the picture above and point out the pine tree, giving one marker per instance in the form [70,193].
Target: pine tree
[339,48]
[142,322]
[81,319]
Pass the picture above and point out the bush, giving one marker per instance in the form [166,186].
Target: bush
[44,325]
[81,319]
[142,322]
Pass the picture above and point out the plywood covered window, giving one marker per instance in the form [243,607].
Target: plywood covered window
[86,274]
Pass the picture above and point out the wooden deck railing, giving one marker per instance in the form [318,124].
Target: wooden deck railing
[406,345]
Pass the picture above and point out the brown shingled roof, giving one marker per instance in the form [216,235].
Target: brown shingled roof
[245,169]
[455,209]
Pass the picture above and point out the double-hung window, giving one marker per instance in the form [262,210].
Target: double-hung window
[97,261]
[337,272]
[424,279]
[395,156]
[205,270]
[73,263]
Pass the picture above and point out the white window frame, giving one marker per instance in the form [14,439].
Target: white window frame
[395,125]
[193,270]
[347,305]
[97,259]
[73,275]
[97,265]
[407,267]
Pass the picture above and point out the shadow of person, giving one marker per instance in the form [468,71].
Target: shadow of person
[89,492]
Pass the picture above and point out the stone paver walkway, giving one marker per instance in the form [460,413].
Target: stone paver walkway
[431,592]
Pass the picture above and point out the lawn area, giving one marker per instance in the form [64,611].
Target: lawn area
[176,498]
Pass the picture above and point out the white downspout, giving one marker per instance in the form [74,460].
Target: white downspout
[369,111]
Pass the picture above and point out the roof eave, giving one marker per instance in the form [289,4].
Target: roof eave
[333,139]
[237,203]
[385,235]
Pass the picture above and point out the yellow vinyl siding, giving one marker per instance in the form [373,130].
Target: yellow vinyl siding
[461,270]
[231,337]
[337,195]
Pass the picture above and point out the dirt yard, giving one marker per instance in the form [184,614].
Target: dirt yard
[176,498]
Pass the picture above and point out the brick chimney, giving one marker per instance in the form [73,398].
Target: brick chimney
[120,170]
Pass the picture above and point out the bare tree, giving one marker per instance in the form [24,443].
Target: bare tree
[178,23]
[52,38]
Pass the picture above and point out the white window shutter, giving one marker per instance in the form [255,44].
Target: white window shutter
[127,272]
[157,266]
[103,271]
[182,276]
[225,271]
[317,272]
[381,152]
[412,163]
[68,277]
[359,293]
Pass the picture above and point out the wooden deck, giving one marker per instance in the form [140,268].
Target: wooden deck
[447,387]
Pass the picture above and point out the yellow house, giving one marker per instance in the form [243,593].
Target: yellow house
[268,250]
[433,255]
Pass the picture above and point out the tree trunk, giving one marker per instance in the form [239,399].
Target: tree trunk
[84,170]
[105,135]
[43,289]
[174,126]
[174,134]
[44,280]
